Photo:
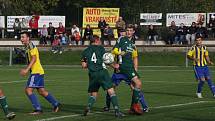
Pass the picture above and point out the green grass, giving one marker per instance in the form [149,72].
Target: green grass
[162,86]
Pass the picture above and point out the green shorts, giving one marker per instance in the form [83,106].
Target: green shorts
[99,78]
[130,72]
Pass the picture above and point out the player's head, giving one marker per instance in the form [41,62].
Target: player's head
[96,40]
[198,40]
[25,37]
[130,31]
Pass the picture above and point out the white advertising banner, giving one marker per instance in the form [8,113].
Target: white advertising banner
[186,18]
[150,18]
[2,23]
[42,20]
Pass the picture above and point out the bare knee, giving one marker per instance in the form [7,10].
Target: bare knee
[111,91]
[137,82]
[42,92]
[1,93]
[28,91]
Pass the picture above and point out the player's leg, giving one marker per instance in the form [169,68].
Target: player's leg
[108,85]
[31,84]
[136,95]
[116,79]
[34,101]
[4,105]
[48,96]
[201,79]
[209,81]
[91,101]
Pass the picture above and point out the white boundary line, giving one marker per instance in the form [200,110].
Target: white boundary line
[158,107]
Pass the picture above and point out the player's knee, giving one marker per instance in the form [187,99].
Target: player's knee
[202,79]
[1,93]
[111,91]
[42,92]
[28,91]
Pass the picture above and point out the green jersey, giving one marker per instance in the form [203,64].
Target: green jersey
[124,44]
[93,55]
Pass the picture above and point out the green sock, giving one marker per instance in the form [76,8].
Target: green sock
[91,101]
[114,101]
[4,105]
[136,93]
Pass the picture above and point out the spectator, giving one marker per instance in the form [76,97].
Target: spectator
[171,33]
[51,32]
[180,34]
[212,25]
[101,25]
[152,35]
[63,39]
[77,37]
[43,35]
[56,45]
[60,29]
[74,28]
[201,31]
[108,34]
[33,24]
[191,34]
[88,34]
[17,28]
[120,24]
[24,24]
[137,31]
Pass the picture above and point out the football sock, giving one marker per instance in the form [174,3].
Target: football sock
[114,102]
[4,105]
[136,95]
[34,101]
[200,85]
[211,85]
[142,100]
[91,101]
[51,100]
[108,100]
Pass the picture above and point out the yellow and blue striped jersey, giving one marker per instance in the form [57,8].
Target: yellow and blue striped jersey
[199,53]
[31,50]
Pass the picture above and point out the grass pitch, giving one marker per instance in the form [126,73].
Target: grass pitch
[169,91]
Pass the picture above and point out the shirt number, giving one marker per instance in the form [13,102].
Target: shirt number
[93,58]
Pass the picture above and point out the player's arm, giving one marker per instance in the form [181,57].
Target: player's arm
[208,58]
[84,63]
[135,59]
[190,55]
[24,71]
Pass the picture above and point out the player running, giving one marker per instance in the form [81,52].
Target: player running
[199,54]
[36,78]
[92,58]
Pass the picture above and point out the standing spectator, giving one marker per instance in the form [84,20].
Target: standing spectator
[33,24]
[120,24]
[212,25]
[74,28]
[191,34]
[108,34]
[60,29]
[88,34]
[17,28]
[137,31]
[43,35]
[101,25]
[152,35]
[24,24]
[180,34]
[51,32]
[171,33]
[201,31]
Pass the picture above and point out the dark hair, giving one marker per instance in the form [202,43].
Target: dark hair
[26,33]
[130,26]
[95,37]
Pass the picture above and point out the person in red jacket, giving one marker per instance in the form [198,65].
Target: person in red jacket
[33,24]
[60,29]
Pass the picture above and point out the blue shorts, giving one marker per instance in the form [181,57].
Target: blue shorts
[35,81]
[118,77]
[201,72]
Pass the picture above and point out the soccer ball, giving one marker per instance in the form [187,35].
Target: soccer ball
[108,58]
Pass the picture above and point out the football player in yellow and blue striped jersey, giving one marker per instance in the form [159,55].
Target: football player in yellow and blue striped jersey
[36,78]
[200,57]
